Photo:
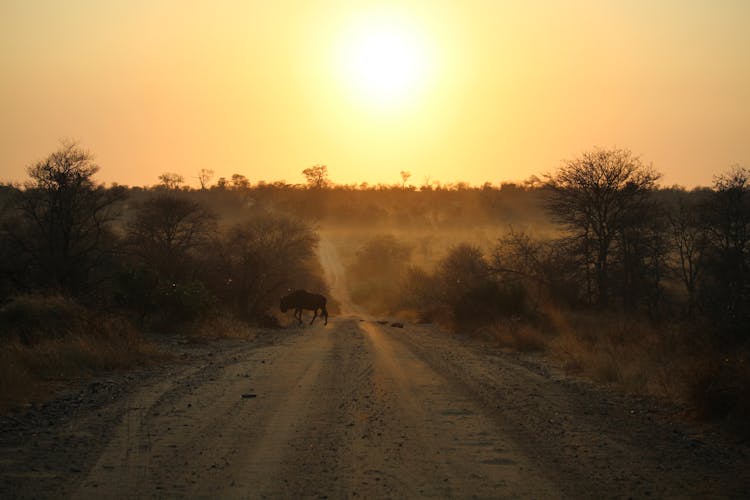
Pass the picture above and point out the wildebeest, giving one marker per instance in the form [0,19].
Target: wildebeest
[300,299]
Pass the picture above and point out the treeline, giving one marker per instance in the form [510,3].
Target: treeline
[636,283]
[434,206]
[160,257]
[620,244]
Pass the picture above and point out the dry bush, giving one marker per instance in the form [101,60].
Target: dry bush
[31,318]
[67,342]
[375,273]
[719,388]
[515,335]
[223,326]
[677,361]
[617,349]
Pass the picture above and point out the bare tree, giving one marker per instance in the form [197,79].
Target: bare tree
[690,238]
[60,222]
[317,176]
[404,177]
[266,255]
[166,233]
[170,180]
[204,177]
[728,222]
[594,196]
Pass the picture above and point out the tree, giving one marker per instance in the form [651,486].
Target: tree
[170,180]
[239,181]
[166,233]
[376,272]
[59,228]
[404,177]
[595,197]
[263,257]
[317,176]
[204,177]
[728,223]
[690,239]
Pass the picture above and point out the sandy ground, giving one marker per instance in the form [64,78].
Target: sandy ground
[359,409]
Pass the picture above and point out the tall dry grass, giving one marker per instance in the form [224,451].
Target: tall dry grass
[678,361]
[515,335]
[49,340]
[220,326]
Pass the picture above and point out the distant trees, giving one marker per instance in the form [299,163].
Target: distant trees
[465,291]
[317,176]
[239,181]
[204,177]
[170,180]
[377,270]
[58,228]
[404,177]
[601,198]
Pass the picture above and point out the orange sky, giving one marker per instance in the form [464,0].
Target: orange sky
[503,89]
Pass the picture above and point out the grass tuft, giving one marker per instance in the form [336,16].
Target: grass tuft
[48,340]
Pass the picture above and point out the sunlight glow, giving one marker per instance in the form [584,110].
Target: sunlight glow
[385,61]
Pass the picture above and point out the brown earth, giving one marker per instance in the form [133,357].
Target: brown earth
[363,409]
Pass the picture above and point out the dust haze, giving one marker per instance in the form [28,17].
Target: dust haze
[580,334]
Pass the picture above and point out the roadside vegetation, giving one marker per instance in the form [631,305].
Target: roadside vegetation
[617,278]
[87,270]
[642,287]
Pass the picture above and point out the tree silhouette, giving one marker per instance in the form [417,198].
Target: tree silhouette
[239,181]
[166,232]
[728,219]
[170,180]
[263,256]
[690,238]
[60,226]
[317,176]
[596,197]
[404,177]
[204,177]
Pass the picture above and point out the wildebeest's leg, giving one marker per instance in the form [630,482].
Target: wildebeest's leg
[298,315]
[324,312]
[315,315]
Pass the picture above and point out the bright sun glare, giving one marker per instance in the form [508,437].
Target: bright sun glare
[384,62]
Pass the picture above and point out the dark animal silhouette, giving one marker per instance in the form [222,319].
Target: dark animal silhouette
[300,299]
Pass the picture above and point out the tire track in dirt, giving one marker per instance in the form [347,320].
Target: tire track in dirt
[591,442]
[356,409]
[427,439]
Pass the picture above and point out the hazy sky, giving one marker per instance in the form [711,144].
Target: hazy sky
[458,90]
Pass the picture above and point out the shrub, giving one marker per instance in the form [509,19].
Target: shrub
[488,302]
[48,339]
[375,273]
[720,388]
[31,318]
[463,292]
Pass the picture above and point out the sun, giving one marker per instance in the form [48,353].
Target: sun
[384,61]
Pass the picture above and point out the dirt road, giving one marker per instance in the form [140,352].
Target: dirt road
[361,409]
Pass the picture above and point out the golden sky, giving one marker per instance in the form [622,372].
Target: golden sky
[455,90]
